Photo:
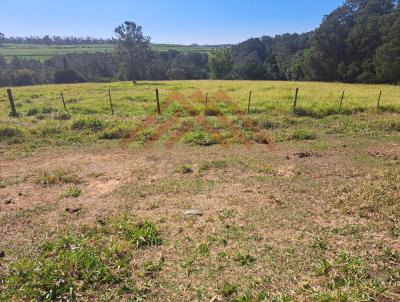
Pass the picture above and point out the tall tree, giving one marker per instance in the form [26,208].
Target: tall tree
[132,51]
[2,37]
[220,63]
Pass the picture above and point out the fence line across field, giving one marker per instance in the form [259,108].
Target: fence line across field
[14,112]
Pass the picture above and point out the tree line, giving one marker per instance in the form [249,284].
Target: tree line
[53,40]
[359,42]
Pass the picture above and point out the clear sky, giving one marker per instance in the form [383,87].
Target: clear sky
[165,21]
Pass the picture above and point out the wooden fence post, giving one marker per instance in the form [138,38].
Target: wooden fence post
[295,100]
[341,102]
[111,105]
[379,101]
[248,106]
[63,100]
[12,105]
[158,102]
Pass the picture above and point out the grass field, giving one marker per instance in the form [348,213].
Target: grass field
[274,205]
[42,52]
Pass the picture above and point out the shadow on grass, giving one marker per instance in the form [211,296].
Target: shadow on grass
[324,112]
[390,109]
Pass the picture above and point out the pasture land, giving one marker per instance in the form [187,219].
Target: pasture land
[274,205]
[43,52]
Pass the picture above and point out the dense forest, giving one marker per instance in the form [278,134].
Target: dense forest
[359,42]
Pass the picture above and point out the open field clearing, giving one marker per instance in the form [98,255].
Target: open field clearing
[274,205]
[43,52]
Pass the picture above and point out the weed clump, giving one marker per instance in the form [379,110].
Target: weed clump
[303,134]
[10,132]
[62,116]
[115,133]
[32,112]
[185,169]
[92,124]
[73,192]
[58,176]
[199,138]
[142,234]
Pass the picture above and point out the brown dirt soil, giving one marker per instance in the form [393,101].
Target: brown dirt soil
[260,212]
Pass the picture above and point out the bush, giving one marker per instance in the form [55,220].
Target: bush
[67,76]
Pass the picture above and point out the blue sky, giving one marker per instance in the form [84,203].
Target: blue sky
[166,21]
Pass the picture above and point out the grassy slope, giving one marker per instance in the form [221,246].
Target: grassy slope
[314,215]
[41,52]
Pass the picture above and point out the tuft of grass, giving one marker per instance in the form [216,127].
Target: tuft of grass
[58,176]
[62,116]
[74,192]
[32,112]
[303,134]
[115,133]
[143,234]
[215,164]
[245,259]
[92,124]
[10,132]
[199,138]
[150,268]
[184,169]
[228,289]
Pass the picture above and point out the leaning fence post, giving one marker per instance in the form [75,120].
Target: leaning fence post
[63,100]
[158,102]
[295,100]
[379,100]
[12,105]
[111,105]
[341,102]
[248,106]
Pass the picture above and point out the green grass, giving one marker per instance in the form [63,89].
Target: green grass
[58,176]
[43,52]
[73,192]
[276,226]
[80,264]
